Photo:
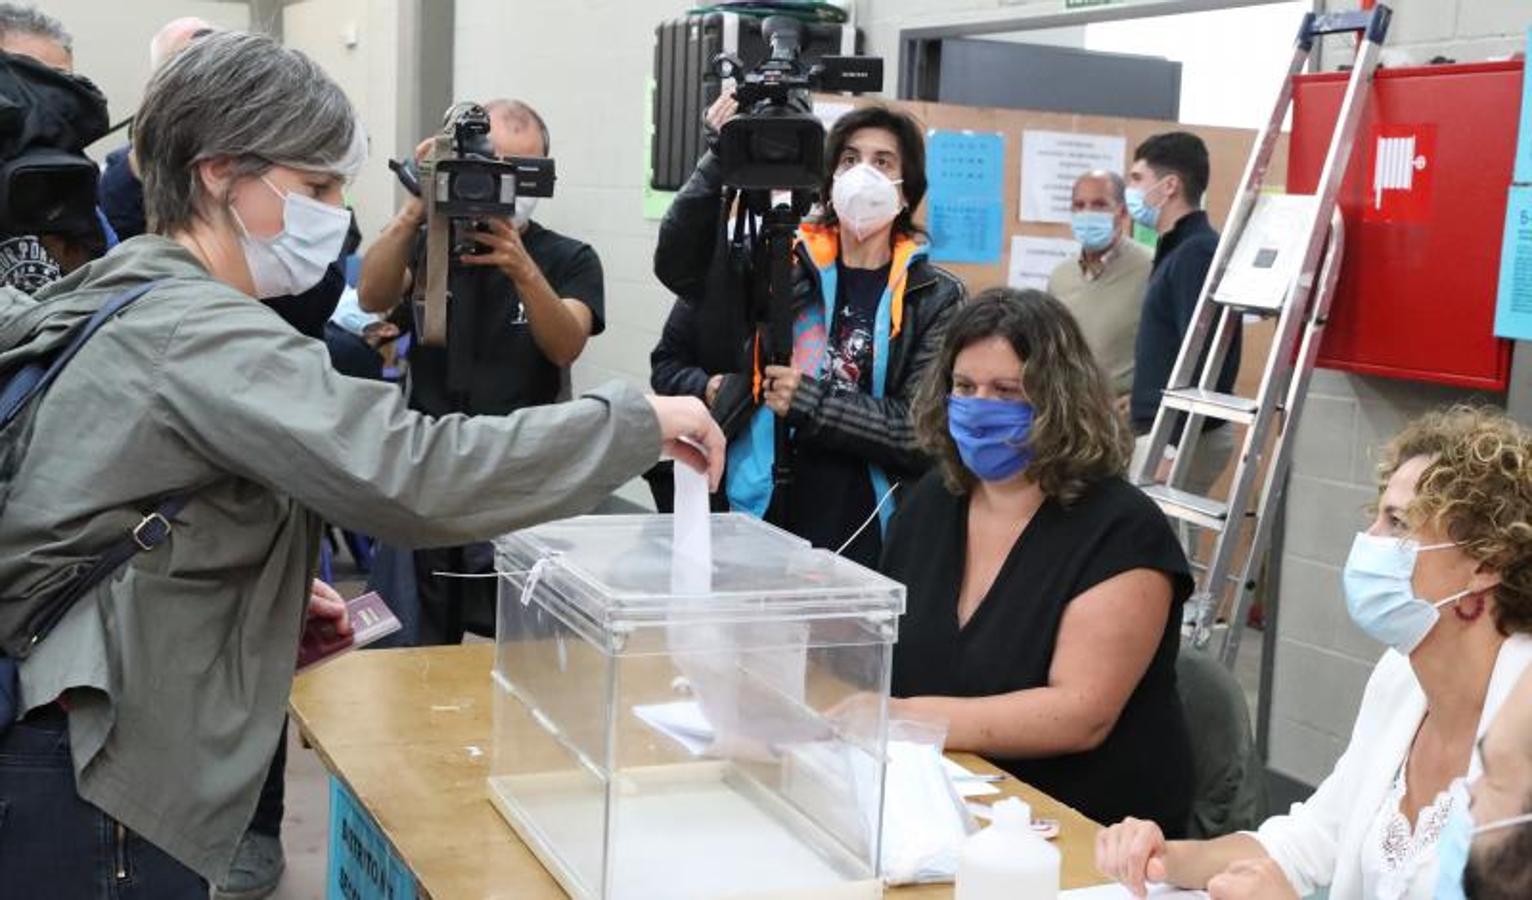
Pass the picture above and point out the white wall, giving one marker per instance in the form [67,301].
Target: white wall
[585,67]
[357,42]
[111,44]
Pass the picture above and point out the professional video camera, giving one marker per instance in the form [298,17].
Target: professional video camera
[465,183]
[47,184]
[777,143]
[773,159]
[468,180]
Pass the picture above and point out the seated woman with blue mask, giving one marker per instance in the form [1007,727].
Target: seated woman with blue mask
[1045,591]
[1443,579]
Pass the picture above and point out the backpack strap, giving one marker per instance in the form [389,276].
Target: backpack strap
[26,385]
[33,378]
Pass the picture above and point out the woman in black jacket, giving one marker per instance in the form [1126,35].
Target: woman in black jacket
[868,314]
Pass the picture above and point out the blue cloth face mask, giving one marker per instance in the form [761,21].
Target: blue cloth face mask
[1456,839]
[1380,595]
[1093,229]
[992,436]
[1139,208]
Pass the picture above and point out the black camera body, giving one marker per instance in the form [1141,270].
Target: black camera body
[777,143]
[47,184]
[472,182]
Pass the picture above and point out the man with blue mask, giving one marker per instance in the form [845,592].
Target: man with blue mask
[1166,184]
[1104,286]
[1486,848]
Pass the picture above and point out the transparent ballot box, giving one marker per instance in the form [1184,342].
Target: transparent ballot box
[656,740]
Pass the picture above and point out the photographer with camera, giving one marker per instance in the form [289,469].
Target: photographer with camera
[523,302]
[49,225]
[868,311]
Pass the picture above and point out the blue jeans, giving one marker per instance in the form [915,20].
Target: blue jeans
[55,845]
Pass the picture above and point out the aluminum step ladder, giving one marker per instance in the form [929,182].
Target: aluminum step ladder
[1280,256]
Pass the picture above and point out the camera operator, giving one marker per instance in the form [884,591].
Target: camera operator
[39,71]
[868,314]
[522,308]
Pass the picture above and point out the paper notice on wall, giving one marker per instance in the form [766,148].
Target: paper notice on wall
[965,202]
[1033,259]
[1052,160]
[830,112]
[1513,309]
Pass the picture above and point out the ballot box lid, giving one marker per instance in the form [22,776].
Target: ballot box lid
[619,572]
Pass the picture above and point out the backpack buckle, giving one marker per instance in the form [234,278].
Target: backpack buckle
[151,532]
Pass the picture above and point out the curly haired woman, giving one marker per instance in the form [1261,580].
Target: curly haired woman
[1444,578]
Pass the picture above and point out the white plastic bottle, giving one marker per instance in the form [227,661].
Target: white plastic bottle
[1008,860]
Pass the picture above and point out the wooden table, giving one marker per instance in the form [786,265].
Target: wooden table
[408,733]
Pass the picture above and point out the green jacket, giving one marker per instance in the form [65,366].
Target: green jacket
[178,668]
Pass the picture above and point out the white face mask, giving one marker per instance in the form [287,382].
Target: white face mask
[523,214]
[1380,594]
[295,258]
[865,199]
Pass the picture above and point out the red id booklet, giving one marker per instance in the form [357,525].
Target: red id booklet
[371,620]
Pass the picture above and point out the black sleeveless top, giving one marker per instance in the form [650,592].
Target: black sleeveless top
[1144,767]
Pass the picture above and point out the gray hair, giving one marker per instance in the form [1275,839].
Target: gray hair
[518,113]
[242,97]
[1114,181]
[30,20]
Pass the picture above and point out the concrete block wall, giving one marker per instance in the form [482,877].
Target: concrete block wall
[111,45]
[1322,661]
[585,67]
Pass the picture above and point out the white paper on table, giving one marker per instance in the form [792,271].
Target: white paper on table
[1033,259]
[1118,892]
[1052,160]
[968,784]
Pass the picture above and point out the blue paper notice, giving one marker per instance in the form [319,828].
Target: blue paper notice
[1513,309]
[1524,142]
[966,200]
[362,864]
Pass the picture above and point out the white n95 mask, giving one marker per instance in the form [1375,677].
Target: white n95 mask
[295,258]
[1380,595]
[865,199]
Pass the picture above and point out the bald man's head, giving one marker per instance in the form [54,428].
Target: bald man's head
[174,37]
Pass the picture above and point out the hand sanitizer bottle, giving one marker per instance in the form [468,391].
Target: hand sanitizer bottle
[1008,860]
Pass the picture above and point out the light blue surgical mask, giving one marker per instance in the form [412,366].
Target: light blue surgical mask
[1452,847]
[1093,229]
[1380,595]
[1139,207]
[993,437]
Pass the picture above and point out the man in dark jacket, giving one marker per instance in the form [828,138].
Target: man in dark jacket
[1165,187]
[869,312]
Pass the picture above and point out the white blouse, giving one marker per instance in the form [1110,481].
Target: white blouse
[1398,862]
[1327,840]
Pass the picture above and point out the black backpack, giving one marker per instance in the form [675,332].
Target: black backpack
[18,388]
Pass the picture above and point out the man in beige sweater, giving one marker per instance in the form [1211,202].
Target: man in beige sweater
[1104,286]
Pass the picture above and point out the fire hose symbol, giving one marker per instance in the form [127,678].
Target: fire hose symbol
[1395,167]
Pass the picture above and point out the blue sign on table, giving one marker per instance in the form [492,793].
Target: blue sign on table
[362,865]
[965,201]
